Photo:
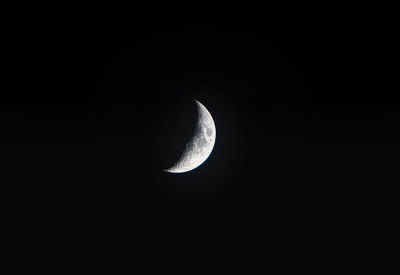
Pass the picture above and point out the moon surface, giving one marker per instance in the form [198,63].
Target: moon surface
[199,148]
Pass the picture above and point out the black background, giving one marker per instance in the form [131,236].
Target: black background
[101,103]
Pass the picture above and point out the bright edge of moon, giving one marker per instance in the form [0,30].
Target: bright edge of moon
[199,148]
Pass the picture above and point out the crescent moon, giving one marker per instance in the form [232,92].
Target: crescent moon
[199,148]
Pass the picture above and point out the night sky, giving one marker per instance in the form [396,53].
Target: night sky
[103,103]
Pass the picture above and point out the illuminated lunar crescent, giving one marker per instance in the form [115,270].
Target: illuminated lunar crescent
[199,148]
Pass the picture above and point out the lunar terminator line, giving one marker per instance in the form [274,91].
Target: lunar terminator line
[199,148]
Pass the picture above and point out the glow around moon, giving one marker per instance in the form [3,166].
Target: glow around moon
[199,148]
